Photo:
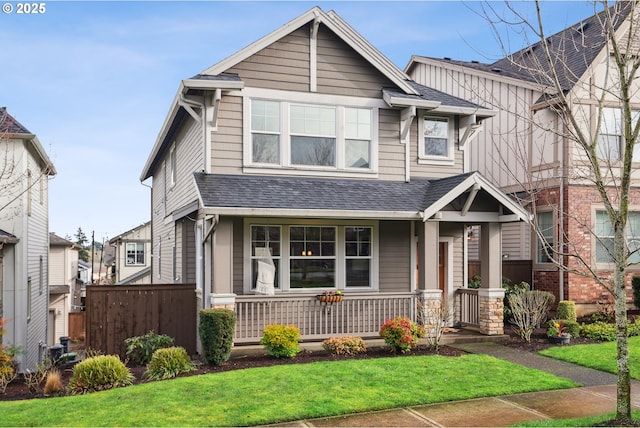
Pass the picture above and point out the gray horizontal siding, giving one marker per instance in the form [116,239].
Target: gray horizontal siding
[395,256]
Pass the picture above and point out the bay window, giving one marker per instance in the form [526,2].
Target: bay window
[310,136]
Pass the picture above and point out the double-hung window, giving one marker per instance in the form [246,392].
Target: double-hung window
[436,143]
[134,253]
[312,257]
[605,236]
[545,238]
[610,140]
[357,256]
[310,136]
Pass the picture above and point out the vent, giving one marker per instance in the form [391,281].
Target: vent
[581,28]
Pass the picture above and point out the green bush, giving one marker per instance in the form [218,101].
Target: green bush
[99,373]
[216,330]
[401,334]
[141,348]
[510,290]
[169,362]
[571,327]
[566,310]
[281,340]
[348,345]
[635,285]
[599,330]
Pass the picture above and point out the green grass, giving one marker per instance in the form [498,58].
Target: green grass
[600,356]
[577,422]
[286,392]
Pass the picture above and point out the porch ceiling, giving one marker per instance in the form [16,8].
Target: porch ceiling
[321,197]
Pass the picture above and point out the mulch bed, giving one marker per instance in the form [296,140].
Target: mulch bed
[18,390]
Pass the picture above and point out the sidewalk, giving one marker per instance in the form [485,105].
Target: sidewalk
[598,396]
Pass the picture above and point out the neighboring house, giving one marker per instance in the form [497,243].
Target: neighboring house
[84,277]
[311,152]
[24,240]
[133,256]
[63,274]
[512,147]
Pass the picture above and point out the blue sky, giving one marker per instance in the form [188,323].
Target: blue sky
[94,80]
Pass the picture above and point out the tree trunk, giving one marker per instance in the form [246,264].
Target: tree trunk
[623,391]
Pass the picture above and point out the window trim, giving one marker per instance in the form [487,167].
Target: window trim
[144,253]
[340,267]
[172,166]
[286,99]
[423,158]
[538,243]
[607,266]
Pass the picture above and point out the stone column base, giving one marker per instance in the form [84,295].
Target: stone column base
[491,310]
[430,311]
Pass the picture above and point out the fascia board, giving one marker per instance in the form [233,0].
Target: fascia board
[211,84]
[467,111]
[408,102]
[51,170]
[262,43]
[284,212]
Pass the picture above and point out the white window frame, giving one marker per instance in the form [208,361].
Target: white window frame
[286,99]
[285,257]
[172,166]
[423,157]
[604,265]
[617,133]
[126,253]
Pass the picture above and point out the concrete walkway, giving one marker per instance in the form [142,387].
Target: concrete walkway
[597,396]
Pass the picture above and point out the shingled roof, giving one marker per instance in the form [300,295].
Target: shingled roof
[9,125]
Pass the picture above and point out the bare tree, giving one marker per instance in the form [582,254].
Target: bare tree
[589,103]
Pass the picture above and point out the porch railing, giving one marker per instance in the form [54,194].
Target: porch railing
[468,304]
[359,315]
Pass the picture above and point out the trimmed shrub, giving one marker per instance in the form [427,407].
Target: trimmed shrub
[216,330]
[169,362]
[348,345]
[99,373]
[401,334]
[571,327]
[281,340]
[141,348]
[599,330]
[566,310]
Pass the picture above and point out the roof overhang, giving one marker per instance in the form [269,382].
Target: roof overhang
[312,213]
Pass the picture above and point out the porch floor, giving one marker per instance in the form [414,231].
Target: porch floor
[458,336]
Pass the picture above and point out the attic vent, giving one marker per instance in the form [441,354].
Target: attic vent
[496,70]
[475,62]
[447,58]
[529,50]
[580,28]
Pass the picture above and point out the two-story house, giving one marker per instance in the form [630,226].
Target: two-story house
[309,161]
[527,148]
[132,261]
[63,285]
[24,240]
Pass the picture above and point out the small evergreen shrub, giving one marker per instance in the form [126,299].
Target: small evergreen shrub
[571,327]
[99,373]
[168,362]
[216,330]
[401,334]
[141,348]
[348,345]
[599,330]
[53,383]
[281,340]
[566,310]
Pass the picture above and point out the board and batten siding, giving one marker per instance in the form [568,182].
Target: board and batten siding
[395,256]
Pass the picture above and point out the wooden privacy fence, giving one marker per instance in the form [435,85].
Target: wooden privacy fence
[77,325]
[516,270]
[115,313]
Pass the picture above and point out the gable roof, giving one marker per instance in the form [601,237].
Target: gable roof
[335,24]
[323,197]
[123,234]
[10,127]
[57,241]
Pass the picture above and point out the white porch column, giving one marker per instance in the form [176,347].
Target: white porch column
[222,295]
[428,236]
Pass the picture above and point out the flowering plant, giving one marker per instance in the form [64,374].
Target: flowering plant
[401,334]
[332,293]
[556,328]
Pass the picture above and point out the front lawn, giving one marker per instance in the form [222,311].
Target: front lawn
[287,392]
[599,356]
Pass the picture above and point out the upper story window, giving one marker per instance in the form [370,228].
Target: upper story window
[436,143]
[610,144]
[311,136]
[134,253]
